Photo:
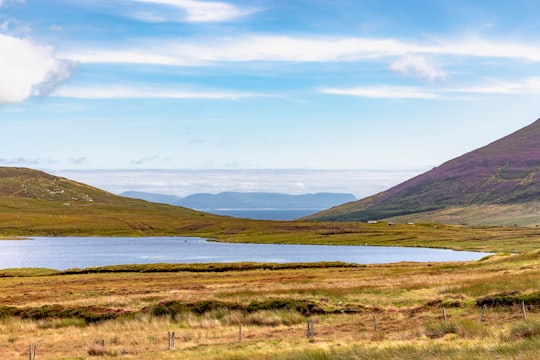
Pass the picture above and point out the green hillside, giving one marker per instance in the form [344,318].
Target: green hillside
[35,203]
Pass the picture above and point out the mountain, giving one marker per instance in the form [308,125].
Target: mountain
[36,203]
[153,197]
[496,184]
[251,205]
[247,200]
[264,200]
[28,184]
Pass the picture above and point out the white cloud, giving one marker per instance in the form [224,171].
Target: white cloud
[132,92]
[14,27]
[8,2]
[127,57]
[487,48]
[244,48]
[146,160]
[23,161]
[529,85]
[419,66]
[185,182]
[195,11]
[382,92]
[28,69]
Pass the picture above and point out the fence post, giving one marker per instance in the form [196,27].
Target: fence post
[170,339]
[482,313]
[240,333]
[444,315]
[310,329]
[524,310]
[32,351]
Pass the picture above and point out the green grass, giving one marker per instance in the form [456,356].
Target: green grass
[27,272]
[24,217]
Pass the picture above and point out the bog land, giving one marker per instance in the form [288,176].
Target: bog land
[485,309]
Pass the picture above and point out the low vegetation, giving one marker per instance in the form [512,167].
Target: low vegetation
[247,311]
[33,203]
[487,309]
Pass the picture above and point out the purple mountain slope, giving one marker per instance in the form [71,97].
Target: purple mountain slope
[505,172]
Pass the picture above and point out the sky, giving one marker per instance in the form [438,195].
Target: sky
[103,90]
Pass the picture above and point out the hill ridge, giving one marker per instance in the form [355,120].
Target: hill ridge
[504,172]
[249,200]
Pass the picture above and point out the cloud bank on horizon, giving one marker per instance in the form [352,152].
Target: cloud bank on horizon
[260,84]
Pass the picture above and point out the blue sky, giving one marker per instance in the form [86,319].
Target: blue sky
[392,86]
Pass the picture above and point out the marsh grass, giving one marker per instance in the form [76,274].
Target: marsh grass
[273,305]
[436,330]
[62,323]
[526,330]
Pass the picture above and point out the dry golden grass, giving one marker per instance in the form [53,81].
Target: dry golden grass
[405,302]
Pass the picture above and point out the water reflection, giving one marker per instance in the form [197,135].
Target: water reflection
[80,252]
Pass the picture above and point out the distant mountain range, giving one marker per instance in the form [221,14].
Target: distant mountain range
[248,200]
[496,184]
[152,197]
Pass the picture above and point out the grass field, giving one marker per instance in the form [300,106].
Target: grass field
[388,311]
[359,312]
[28,217]
[391,311]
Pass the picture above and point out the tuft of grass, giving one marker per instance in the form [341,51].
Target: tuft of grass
[98,350]
[274,318]
[436,330]
[62,323]
[526,330]
[463,328]
[472,329]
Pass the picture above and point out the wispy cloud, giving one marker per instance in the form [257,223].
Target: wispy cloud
[23,161]
[14,27]
[79,160]
[193,11]
[145,160]
[529,85]
[382,92]
[418,66]
[525,86]
[244,48]
[28,69]
[185,182]
[8,2]
[134,92]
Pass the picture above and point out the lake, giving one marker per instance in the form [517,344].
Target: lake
[63,253]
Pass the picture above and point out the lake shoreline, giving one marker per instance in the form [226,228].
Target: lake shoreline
[62,253]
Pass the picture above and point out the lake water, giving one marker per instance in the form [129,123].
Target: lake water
[63,253]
